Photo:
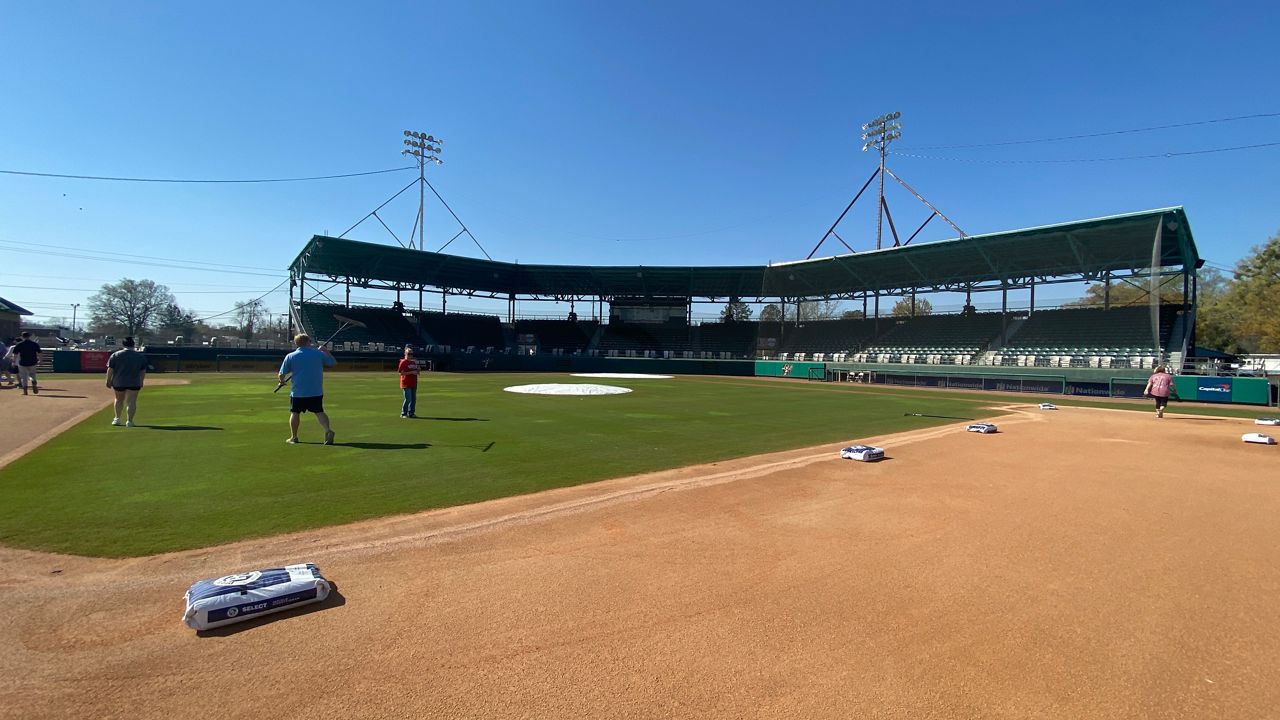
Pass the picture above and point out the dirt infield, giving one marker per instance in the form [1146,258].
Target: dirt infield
[1080,564]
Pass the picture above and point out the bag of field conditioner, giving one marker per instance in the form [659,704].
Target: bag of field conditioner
[242,596]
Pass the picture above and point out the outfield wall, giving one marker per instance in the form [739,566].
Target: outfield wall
[1091,382]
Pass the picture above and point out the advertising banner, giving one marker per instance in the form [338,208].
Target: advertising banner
[94,361]
[1213,389]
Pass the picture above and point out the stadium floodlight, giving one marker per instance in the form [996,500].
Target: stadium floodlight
[424,149]
[878,134]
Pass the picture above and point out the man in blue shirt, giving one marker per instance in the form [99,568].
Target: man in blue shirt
[307,395]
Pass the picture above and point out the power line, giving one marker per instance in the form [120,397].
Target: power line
[257,299]
[29,173]
[1152,156]
[131,255]
[1100,134]
[176,292]
[8,248]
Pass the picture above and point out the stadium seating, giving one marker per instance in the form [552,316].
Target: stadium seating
[737,338]
[825,336]
[657,337]
[382,324]
[1088,337]
[461,330]
[933,339]
[566,335]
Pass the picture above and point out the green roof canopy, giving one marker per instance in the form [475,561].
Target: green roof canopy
[1122,245]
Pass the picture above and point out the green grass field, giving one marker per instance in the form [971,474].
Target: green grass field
[209,465]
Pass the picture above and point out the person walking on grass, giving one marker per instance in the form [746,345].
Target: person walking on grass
[409,384]
[1159,387]
[7,370]
[27,353]
[126,370]
[307,394]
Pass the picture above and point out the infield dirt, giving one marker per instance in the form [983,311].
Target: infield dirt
[1079,564]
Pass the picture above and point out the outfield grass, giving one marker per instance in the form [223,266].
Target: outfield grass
[209,465]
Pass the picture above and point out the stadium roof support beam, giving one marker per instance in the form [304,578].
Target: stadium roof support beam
[1083,249]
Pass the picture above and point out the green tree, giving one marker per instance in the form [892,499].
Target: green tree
[173,320]
[770,313]
[853,315]
[1123,292]
[129,306]
[735,311]
[902,308]
[1255,298]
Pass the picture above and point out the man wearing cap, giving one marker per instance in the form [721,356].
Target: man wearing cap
[307,394]
[126,370]
[27,352]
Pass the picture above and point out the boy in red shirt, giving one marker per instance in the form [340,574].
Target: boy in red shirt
[409,384]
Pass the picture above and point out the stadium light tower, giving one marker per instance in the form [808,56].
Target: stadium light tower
[878,134]
[425,149]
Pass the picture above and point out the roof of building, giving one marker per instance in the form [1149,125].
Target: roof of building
[10,307]
[1118,244]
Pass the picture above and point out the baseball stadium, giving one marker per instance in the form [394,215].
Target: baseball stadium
[627,513]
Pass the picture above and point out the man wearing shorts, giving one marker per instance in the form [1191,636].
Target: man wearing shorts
[27,353]
[307,394]
[1159,386]
[126,369]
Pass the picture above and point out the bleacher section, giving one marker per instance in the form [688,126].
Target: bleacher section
[826,337]
[737,338]
[461,331]
[1088,337]
[1074,338]
[933,339]
[384,325]
[655,337]
[565,335]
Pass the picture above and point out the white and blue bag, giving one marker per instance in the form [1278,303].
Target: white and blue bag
[242,596]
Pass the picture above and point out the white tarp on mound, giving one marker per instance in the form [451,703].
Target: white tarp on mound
[626,376]
[567,389]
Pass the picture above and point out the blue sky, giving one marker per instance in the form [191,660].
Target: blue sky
[604,133]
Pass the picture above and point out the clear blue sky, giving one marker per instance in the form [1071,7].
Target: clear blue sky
[605,133]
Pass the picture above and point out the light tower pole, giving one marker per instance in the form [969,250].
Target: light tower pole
[878,134]
[425,149]
[74,308]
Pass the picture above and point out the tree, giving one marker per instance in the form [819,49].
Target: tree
[173,320]
[902,308]
[770,313]
[1134,292]
[814,310]
[735,311]
[1255,296]
[853,315]
[129,306]
[250,315]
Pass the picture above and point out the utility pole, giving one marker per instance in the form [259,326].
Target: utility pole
[74,308]
[425,149]
[878,134]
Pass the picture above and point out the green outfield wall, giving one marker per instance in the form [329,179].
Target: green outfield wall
[1096,382]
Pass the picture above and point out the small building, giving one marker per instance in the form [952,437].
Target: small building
[10,319]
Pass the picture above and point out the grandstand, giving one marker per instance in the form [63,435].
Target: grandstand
[566,336]
[1110,249]
[383,325]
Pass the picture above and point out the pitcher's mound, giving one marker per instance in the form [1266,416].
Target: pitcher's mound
[567,389]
